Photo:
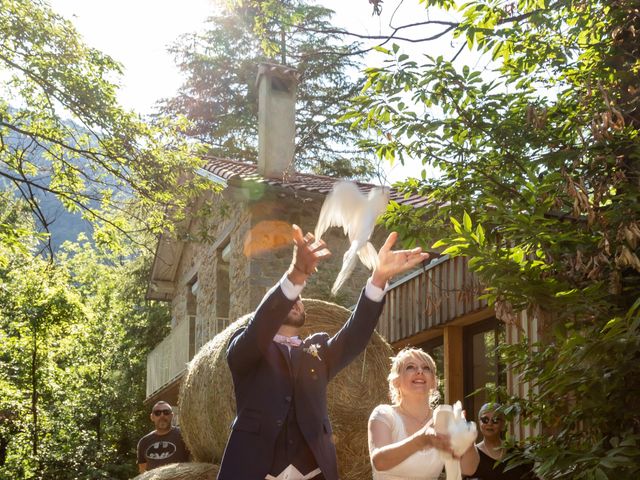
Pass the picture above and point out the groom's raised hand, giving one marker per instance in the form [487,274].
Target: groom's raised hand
[392,263]
[307,253]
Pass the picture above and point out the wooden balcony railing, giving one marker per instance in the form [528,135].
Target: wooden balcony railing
[169,359]
[208,328]
[443,291]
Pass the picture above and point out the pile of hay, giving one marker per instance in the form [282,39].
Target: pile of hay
[181,471]
[207,405]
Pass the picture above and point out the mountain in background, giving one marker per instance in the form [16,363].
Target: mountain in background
[63,225]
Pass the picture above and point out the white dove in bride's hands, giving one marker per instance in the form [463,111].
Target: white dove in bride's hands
[462,434]
[356,213]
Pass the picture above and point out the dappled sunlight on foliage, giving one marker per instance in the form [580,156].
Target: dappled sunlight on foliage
[539,161]
[74,335]
[63,134]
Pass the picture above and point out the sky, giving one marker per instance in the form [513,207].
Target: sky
[137,34]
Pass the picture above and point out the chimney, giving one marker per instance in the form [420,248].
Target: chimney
[276,86]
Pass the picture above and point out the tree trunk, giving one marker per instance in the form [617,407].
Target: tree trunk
[34,389]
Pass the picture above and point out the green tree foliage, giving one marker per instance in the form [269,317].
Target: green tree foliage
[125,329]
[74,336]
[220,99]
[42,314]
[16,229]
[75,331]
[62,131]
[538,184]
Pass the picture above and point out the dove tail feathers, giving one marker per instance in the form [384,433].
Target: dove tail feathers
[348,264]
[368,256]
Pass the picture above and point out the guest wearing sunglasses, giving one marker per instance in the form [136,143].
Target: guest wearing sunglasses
[492,450]
[164,445]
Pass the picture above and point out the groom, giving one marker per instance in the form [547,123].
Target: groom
[282,428]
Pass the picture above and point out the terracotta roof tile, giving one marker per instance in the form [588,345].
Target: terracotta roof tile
[228,169]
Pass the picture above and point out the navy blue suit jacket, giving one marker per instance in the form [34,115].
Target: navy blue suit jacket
[266,383]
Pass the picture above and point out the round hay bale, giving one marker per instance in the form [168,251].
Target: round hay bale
[181,471]
[207,403]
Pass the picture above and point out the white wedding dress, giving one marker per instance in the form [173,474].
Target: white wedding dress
[422,465]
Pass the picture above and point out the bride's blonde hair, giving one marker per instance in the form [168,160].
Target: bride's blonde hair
[396,364]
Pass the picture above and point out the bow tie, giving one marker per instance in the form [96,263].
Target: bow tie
[289,341]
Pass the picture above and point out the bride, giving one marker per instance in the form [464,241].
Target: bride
[402,442]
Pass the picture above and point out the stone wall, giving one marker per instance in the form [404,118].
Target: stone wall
[179,305]
[200,260]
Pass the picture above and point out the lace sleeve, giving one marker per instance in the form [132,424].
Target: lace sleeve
[383,414]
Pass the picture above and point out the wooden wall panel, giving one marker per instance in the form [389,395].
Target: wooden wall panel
[430,298]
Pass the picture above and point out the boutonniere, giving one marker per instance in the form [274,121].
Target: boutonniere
[313,350]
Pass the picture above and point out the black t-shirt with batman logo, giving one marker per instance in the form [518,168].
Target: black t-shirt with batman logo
[157,450]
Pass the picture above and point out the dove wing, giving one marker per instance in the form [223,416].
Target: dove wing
[365,221]
[356,213]
[462,434]
[443,417]
[340,208]
[364,217]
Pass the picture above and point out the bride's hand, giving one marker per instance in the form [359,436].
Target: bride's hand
[439,441]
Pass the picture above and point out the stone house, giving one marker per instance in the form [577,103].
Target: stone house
[211,283]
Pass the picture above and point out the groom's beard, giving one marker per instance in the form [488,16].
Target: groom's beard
[295,319]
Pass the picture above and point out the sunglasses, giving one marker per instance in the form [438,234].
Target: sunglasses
[494,420]
[166,411]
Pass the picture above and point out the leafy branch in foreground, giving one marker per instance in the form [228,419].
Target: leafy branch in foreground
[538,180]
[62,132]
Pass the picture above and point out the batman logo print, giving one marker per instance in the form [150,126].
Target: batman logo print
[160,450]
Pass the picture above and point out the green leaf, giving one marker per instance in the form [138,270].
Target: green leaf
[466,220]
[452,250]
[566,293]
[380,49]
[517,255]
[480,234]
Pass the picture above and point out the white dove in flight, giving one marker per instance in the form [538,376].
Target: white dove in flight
[450,421]
[356,213]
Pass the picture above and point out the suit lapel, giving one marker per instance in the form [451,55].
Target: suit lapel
[296,359]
